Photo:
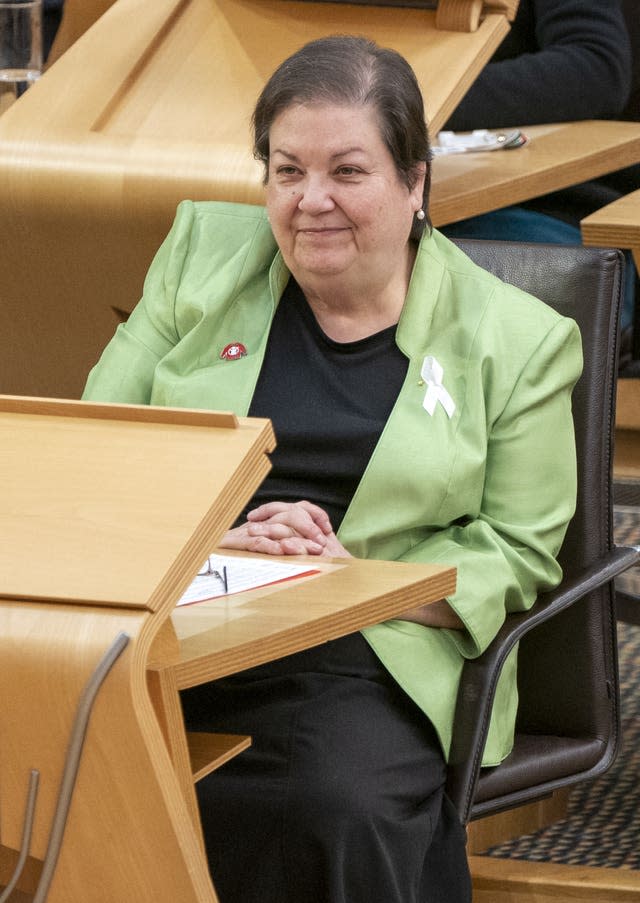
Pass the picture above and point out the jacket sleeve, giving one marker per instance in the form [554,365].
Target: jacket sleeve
[577,65]
[507,554]
[125,370]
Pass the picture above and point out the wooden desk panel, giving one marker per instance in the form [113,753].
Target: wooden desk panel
[229,634]
[122,483]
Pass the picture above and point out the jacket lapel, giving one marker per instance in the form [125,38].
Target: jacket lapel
[406,481]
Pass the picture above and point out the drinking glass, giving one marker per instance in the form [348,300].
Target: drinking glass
[20,47]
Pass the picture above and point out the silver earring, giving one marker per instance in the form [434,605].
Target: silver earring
[420,214]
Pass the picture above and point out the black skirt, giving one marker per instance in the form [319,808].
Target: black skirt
[340,797]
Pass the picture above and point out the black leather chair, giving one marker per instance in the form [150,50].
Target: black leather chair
[568,724]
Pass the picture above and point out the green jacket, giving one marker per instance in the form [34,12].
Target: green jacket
[489,489]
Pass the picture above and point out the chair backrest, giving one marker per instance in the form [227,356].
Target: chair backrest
[567,671]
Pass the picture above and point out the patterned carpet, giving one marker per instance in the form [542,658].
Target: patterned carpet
[602,827]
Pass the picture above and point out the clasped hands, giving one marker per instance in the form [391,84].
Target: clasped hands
[301,528]
[286,528]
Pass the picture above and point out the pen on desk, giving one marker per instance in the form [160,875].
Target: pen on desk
[223,577]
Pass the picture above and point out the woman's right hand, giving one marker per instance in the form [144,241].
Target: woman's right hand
[282,528]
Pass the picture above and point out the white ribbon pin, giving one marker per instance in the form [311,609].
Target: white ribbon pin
[432,374]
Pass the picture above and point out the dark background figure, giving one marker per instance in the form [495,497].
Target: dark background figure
[562,60]
[627,180]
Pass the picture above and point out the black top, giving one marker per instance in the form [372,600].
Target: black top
[328,402]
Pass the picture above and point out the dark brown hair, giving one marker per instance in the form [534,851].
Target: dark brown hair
[345,69]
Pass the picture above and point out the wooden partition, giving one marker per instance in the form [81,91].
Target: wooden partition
[152,104]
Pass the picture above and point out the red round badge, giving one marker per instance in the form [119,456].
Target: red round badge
[233,351]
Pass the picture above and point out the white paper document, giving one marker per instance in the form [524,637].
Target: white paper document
[241,574]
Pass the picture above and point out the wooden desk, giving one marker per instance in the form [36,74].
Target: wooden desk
[108,512]
[618,226]
[232,633]
[557,156]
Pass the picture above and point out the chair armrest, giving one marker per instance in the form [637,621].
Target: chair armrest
[620,559]
[480,675]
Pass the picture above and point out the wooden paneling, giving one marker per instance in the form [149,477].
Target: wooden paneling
[152,105]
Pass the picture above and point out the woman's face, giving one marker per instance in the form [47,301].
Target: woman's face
[335,200]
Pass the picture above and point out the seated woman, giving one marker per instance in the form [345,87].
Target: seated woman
[413,396]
